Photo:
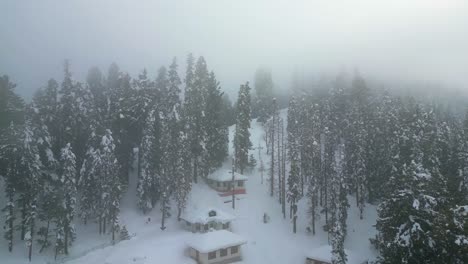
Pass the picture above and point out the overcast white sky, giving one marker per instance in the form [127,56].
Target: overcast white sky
[408,39]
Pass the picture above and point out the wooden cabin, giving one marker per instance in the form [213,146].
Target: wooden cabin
[216,247]
[201,221]
[222,181]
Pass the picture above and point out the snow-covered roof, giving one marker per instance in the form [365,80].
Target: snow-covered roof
[203,216]
[223,175]
[324,254]
[215,240]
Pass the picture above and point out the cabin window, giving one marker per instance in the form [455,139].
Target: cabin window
[240,183]
[223,252]
[197,226]
[212,255]
[234,250]
[206,227]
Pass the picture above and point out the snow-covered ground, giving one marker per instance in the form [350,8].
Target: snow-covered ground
[269,243]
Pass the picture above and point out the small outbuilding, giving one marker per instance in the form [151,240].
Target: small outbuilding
[208,219]
[323,255]
[216,247]
[222,181]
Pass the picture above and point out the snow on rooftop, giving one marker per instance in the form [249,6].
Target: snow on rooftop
[215,240]
[323,253]
[203,216]
[223,175]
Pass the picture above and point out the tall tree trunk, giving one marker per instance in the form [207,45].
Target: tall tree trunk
[290,210]
[163,227]
[357,194]
[31,239]
[46,236]
[313,216]
[23,219]
[283,170]
[321,194]
[195,170]
[302,183]
[272,171]
[113,229]
[139,167]
[294,217]
[10,223]
[280,195]
[104,225]
[179,213]
[65,246]
[232,188]
[325,205]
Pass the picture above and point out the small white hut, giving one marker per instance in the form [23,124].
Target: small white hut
[205,220]
[221,181]
[216,247]
[323,255]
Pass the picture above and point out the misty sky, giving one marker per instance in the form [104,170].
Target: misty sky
[424,40]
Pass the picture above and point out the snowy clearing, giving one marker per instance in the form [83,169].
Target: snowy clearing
[273,242]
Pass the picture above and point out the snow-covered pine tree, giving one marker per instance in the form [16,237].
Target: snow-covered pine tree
[111,187]
[89,182]
[195,81]
[65,232]
[45,106]
[357,152]
[67,118]
[311,157]
[383,139]
[75,108]
[252,162]
[264,94]
[338,208]
[165,179]
[408,215]
[11,105]
[143,97]
[148,190]
[293,193]
[242,142]
[10,164]
[30,167]
[42,114]
[168,132]
[183,174]
[100,94]
[195,109]
[272,131]
[121,97]
[216,141]
[179,147]
[124,233]
[174,82]
[48,210]
[463,156]
[405,219]
[11,118]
